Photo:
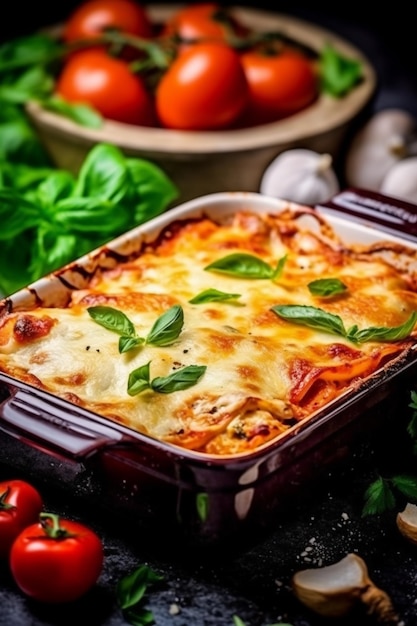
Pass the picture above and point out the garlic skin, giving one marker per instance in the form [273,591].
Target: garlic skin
[333,591]
[401,180]
[386,138]
[300,175]
[407,522]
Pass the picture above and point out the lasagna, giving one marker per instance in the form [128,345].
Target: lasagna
[217,336]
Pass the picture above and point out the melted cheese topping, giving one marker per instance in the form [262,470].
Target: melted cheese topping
[263,374]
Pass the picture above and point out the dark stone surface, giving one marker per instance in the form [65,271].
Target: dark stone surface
[324,522]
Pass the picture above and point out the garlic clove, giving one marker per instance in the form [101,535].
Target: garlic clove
[333,591]
[401,180]
[386,138]
[300,175]
[407,522]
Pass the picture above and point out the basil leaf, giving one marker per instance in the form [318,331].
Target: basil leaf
[153,190]
[406,484]
[181,379]
[112,319]
[242,265]
[379,497]
[91,215]
[338,74]
[51,250]
[127,343]
[312,317]
[202,504]
[55,187]
[375,333]
[103,174]
[131,588]
[16,214]
[139,380]
[213,295]
[26,51]
[167,327]
[82,114]
[326,287]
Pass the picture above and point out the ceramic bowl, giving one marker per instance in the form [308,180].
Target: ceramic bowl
[201,162]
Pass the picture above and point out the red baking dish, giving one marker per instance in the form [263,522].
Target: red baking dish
[201,499]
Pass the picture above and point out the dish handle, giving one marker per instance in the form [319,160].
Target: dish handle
[390,214]
[52,428]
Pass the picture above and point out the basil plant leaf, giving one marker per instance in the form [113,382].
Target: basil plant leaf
[112,319]
[103,174]
[326,287]
[181,379]
[26,51]
[131,589]
[82,114]
[338,73]
[127,343]
[244,265]
[213,295]
[16,214]
[139,380]
[375,333]
[153,189]
[94,216]
[312,317]
[167,327]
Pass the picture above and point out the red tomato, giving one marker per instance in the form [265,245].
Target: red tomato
[107,84]
[203,21]
[279,84]
[204,89]
[56,560]
[20,505]
[90,18]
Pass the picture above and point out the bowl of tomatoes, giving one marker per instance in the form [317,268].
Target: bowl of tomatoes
[210,93]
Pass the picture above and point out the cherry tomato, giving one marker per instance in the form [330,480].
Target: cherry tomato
[203,21]
[20,505]
[204,89]
[56,560]
[107,84]
[280,84]
[90,18]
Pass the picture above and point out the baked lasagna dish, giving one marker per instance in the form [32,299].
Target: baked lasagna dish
[221,336]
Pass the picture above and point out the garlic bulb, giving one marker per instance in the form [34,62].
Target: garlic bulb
[386,138]
[302,176]
[401,180]
[407,522]
[333,591]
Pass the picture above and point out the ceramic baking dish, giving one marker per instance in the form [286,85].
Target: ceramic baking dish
[202,499]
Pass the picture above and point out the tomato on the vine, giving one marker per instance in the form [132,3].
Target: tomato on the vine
[56,560]
[204,89]
[280,84]
[20,505]
[206,20]
[106,83]
[89,19]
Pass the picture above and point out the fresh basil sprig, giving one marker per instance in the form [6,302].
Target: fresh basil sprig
[167,327]
[326,287]
[62,216]
[164,332]
[213,295]
[246,265]
[328,322]
[186,377]
[130,595]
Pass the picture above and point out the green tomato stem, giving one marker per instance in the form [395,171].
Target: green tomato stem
[50,523]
